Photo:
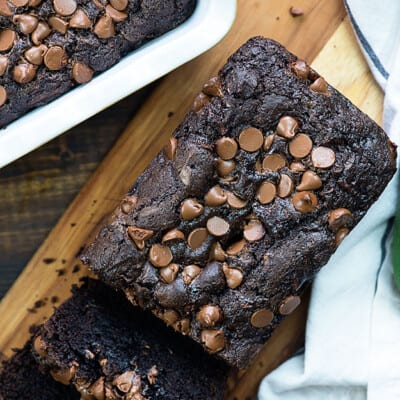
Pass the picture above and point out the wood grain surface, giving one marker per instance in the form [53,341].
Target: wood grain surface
[322,34]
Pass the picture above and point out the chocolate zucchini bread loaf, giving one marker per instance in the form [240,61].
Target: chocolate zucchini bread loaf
[49,46]
[20,379]
[107,349]
[253,193]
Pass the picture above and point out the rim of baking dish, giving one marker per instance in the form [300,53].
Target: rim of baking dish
[208,24]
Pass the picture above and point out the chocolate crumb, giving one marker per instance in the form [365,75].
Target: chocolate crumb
[73,224]
[76,269]
[49,260]
[39,303]
[54,299]
[77,255]
[170,114]
[61,271]
[296,11]
[63,261]
[31,310]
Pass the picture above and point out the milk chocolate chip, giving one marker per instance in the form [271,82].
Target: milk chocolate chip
[97,389]
[7,38]
[216,196]
[285,186]
[189,273]
[80,20]
[261,318]
[3,64]
[320,86]
[300,146]
[26,23]
[168,274]
[287,127]
[213,340]
[55,58]
[5,9]
[235,201]
[197,237]
[235,248]
[139,235]
[125,381]
[339,218]
[35,54]
[251,139]
[305,202]
[217,253]
[191,209]
[170,148]
[268,142]
[217,226]
[209,315]
[309,181]
[159,255]
[24,73]
[289,305]
[340,235]
[301,69]
[40,346]
[213,87]
[119,5]
[233,276]
[273,162]
[41,32]
[173,234]
[266,193]
[65,376]
[225,167]
[128,203]
[200,101]
[117,16]
[64,7]
[226,148]
[297,166]
[254,231]
[3,95]
[323,157]
[81,73]
[58,24]
[104,27]
[170,317]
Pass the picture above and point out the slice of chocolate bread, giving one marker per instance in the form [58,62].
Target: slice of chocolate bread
[100,344]
[20,379]
[258,186]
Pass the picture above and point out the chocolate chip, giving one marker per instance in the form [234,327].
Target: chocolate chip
[98,4]
[225,167]
[173,234]
[297,166]
[268,142]
[289,305]
[340,235]
[266,193]
[24,73]
[209,315]
[216,196]
[300,68]
[64,7]
[26,23]
[254,231]
[261,318]
[300,146]
[97,389]
[213,340]
[189,273]
[152,374]
[200,101]
[36,54]
[226,148]
[339,218]
[7,38]
[217,226]
[119,4]
[139,235]
[3,95]
[273,162]
[159,255]
[58,24]
[104,27]
[5,9]
[305,202]
[80,20]
[19,3]
[323,157]
[125,381]
[285,186]
[65,376]
[235,201]
[128,203]
[197,237]
[213,87]
[217,253]
[251,139]
[320,86]
[296,11]
[170,317]
[40,346]
[287,127]
[3,64]
[41,32]
[309,181]
[168,274]
[55,58]
[34,3]
[183,326]
[191,209]
[81,73]
[170,148]
[117,16]
[235,248]
[233,276]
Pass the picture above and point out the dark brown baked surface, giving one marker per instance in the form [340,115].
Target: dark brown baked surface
[48,47]
[258,186]
[97,342]
[20,378]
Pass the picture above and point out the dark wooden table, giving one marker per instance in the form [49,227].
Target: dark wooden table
[36,189]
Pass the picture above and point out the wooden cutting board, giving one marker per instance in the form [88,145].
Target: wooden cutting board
[322,36]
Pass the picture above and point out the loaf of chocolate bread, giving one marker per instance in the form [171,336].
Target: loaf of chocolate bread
[97,342]
[249,199]
[49,46]
[20,378]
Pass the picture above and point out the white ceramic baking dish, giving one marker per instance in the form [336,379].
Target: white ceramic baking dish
[209,23]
